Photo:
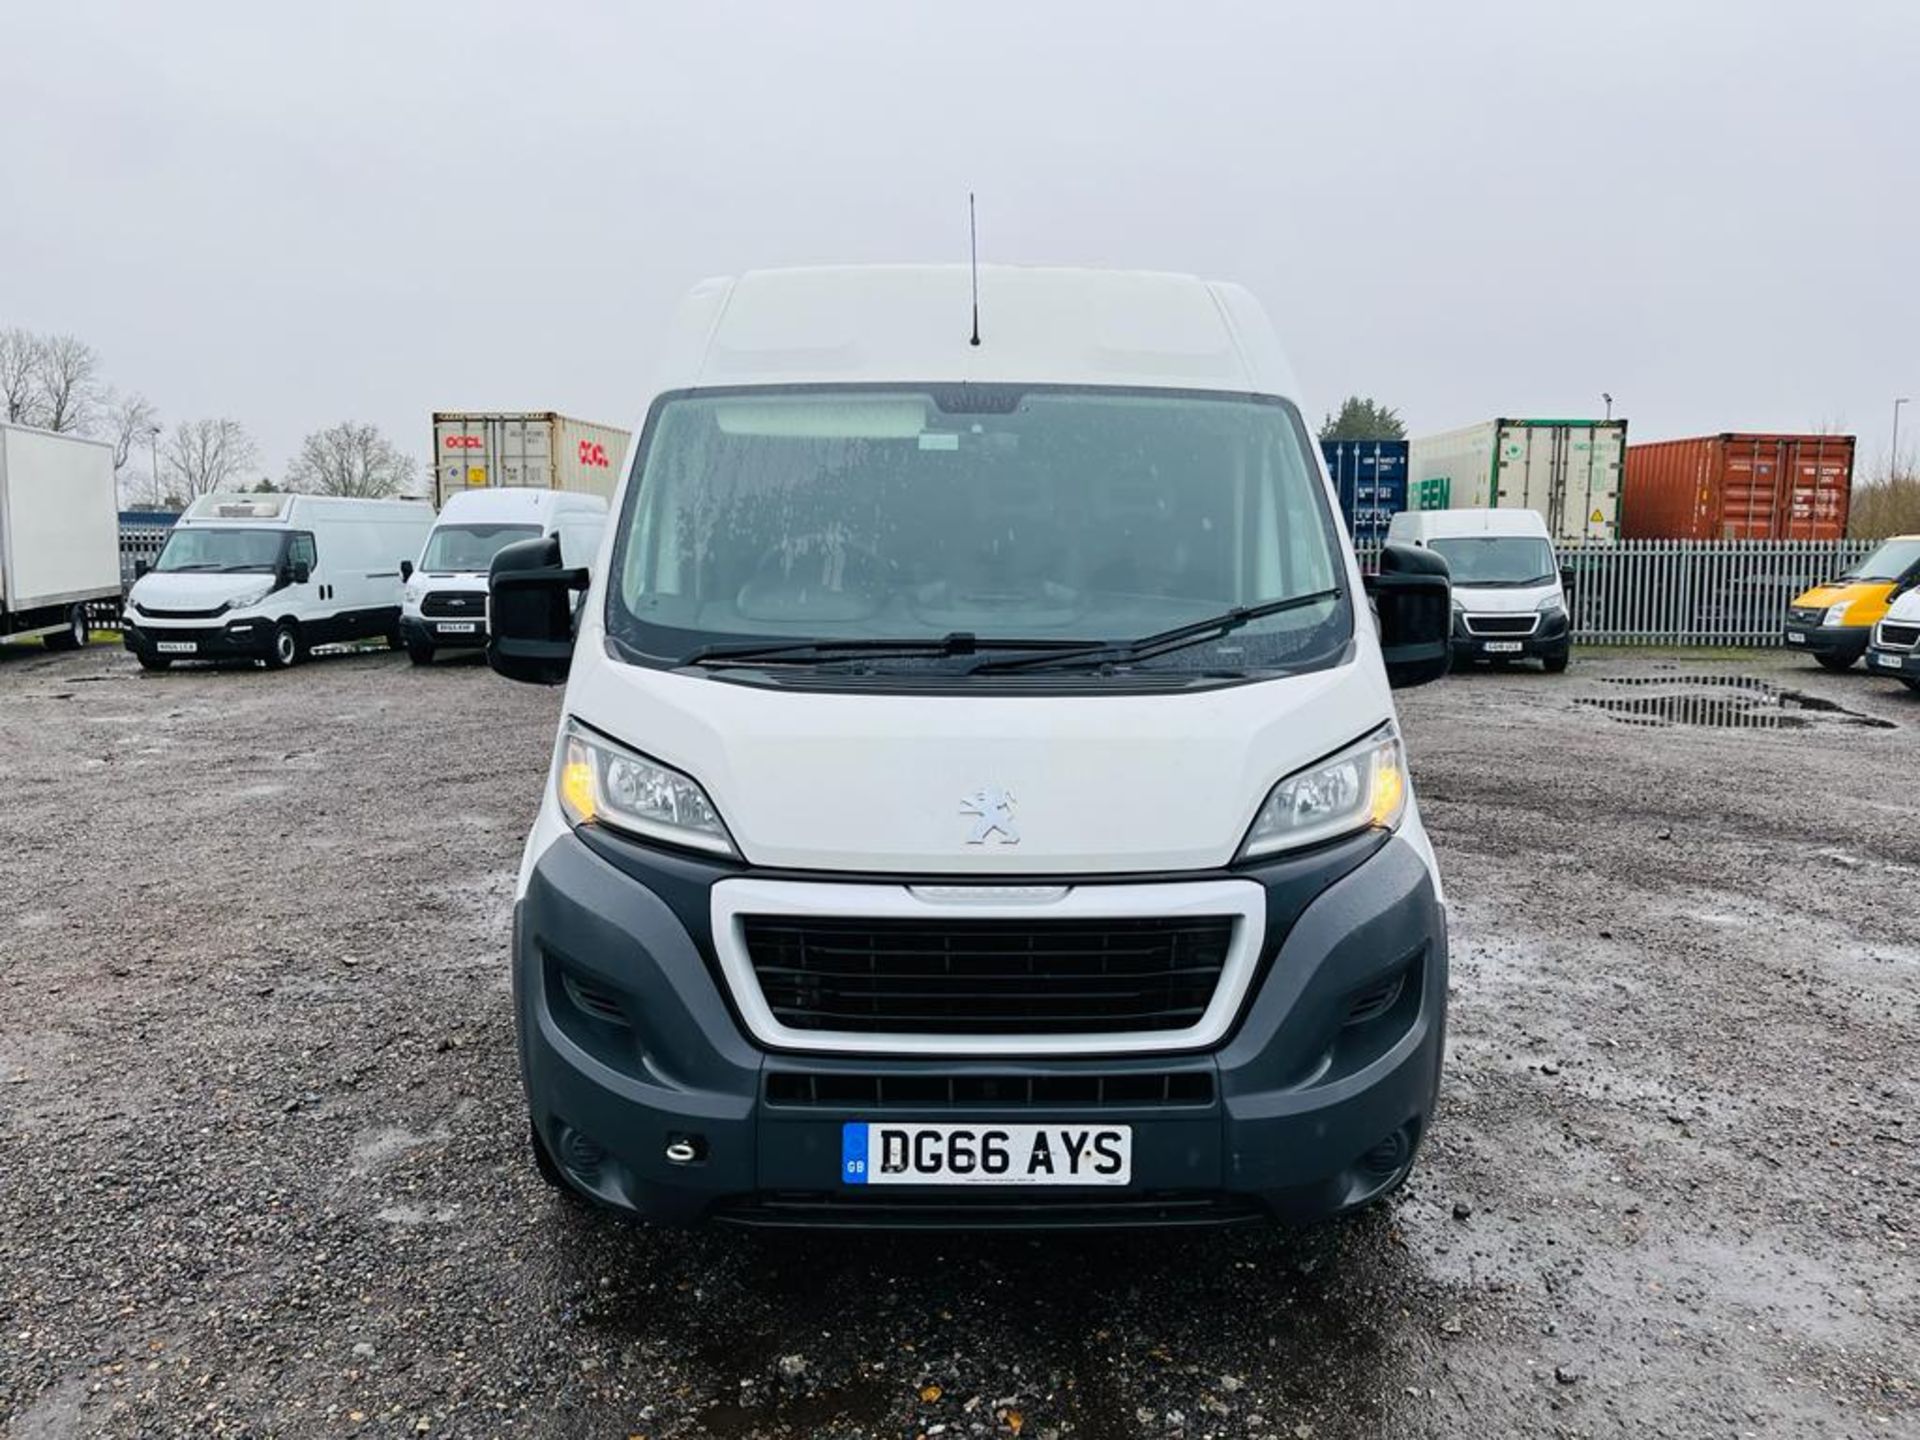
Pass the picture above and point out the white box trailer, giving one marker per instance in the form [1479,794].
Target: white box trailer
[1568,470]
[536,448]
[59,533]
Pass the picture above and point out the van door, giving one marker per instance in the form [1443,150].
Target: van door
[303,602]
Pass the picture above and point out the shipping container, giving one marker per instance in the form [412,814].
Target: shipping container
[1370,477]
[1739,487]
[1568,470]
[533,448]
[59,533]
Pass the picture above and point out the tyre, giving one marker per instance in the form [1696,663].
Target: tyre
[396,641]
[1556,664]
[1911,683]
[1836,662]
[285,650]
[544,1162]
[420,652]
[77,633]
[155,662]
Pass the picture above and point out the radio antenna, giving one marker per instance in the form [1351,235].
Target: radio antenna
[973,245]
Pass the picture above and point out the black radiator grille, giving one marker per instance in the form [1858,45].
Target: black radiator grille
[987,977]
[1900,637]
[455,604]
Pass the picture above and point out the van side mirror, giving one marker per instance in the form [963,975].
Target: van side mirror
[1566,578]
[406,571]
[142,567]
[1413,597]
[530,610]
[300,572]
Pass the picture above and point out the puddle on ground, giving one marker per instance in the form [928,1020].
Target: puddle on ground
[1723,702]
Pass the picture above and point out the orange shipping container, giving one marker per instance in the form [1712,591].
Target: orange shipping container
[1738,487]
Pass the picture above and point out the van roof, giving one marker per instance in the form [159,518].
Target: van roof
[1478,521]
[508,502]
[894,323]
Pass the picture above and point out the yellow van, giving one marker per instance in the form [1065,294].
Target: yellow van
[1833,622]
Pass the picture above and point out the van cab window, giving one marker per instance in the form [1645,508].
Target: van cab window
[999,513]
[300,551]
[453,549]
[1895,560]
[223,548]
[1491,561]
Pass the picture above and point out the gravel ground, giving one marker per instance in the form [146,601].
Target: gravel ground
[262,1164]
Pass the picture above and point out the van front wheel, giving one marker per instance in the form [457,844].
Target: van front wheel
[1836,662]
[420,652]
[286,646]
[1556,664]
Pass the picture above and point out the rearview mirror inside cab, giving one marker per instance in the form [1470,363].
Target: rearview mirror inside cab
[1413,598]
[530,611]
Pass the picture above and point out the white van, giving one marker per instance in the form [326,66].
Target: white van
[270,576]
[1509,592]
[444,603]
[978,798]
[1895,648]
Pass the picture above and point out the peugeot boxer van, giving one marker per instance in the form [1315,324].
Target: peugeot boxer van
[1834,622]
[978,799]
[1509,592]
[267,577]
[444,604]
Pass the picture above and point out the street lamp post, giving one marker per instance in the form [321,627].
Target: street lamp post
[1893,460]
[153,453]
[1609,399]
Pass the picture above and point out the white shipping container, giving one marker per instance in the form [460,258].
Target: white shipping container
[59,525]
[1568,470]
[541,449]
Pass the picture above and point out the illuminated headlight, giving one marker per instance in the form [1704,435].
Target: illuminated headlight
[607,784]
[1836,614]
[1362,788]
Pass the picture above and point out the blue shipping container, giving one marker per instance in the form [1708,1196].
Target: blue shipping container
[1370,477]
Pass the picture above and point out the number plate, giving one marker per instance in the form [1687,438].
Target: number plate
[1892,662]
[985,1154]
[1504,647]
[1794,637]
[457,627]
[176,647]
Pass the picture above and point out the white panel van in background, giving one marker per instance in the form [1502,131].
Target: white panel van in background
[445,601]
[268,577]
[1509,592]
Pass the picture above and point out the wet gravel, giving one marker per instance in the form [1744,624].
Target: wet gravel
[262,1165]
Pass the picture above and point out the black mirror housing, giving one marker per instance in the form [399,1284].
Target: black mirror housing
[299,572]
[530,611]
[406,571]
[142,567]
[1566,578]
[1413,596]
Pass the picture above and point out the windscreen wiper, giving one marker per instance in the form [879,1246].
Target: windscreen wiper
[1147,646]
[827,652]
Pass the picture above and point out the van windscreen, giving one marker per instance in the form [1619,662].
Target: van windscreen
[993,512]
[1491,561]
[459,548]
[222,547]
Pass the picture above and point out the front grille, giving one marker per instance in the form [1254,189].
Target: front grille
[1895,636]
[455,604]
[1803,615]
[1032,1210]
[153,614]
[898,1091]
[1502,624]
[987,977]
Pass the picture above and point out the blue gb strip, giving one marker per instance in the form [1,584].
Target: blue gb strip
[853,1153]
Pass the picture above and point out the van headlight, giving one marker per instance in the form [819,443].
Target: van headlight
[1551,606]
[252,597]
[608,784]
[1364,787]
[1836,614]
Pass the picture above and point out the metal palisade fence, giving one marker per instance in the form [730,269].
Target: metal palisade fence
[1691,592]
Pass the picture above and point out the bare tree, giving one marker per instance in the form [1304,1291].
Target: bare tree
[350,459]
[202,456]
[69,383]
[19,376]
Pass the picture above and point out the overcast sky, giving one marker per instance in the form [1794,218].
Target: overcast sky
[296,215]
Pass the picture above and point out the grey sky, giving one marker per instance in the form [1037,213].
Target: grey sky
[373,210]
